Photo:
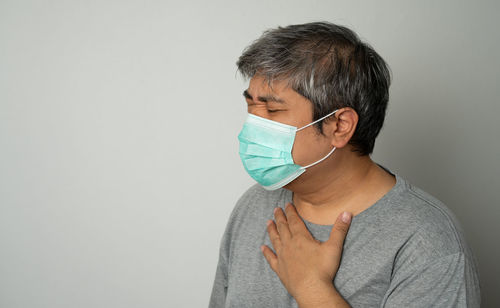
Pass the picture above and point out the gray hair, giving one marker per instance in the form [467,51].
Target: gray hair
[330,66]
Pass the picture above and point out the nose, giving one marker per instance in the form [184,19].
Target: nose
[260,113]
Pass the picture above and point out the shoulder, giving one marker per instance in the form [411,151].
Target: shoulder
[255,204]
[432,256]
[256,201]
[430,229]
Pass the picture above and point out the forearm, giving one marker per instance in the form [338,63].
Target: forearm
[323,297]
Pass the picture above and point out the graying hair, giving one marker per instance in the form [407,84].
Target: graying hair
[330,66]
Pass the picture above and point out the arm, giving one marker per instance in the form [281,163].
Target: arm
[219,288]
[449,281]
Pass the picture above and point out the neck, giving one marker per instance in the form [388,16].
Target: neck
[346,182]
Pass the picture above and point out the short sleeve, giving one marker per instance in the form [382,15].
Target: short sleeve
[440,283]
[219,288]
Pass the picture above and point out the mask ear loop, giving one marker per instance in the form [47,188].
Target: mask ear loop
[320,159]
[317,120]
[310,165]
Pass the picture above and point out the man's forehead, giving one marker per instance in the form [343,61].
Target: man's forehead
[276,90]
[259,82]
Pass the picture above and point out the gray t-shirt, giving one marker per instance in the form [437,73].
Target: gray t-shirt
[406,250]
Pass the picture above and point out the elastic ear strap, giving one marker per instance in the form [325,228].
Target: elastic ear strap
[318,120]
[320,159]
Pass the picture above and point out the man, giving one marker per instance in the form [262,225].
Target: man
[316,100]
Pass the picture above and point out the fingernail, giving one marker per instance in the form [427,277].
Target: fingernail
[346,217]
[262,248]
[269,222]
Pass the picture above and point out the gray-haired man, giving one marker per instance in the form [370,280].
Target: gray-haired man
[317,100]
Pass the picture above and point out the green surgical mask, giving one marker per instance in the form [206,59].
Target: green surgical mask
[266,151]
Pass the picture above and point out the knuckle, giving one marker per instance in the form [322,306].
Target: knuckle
[342,228]
[275,240]
[339,246]
[292,220]
[281,223]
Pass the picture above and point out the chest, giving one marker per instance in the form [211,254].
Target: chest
[363,276]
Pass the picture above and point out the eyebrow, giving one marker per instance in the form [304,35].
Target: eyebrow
[266,98]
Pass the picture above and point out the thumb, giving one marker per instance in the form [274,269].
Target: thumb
[339,231]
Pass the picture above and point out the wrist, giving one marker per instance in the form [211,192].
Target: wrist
[323,295]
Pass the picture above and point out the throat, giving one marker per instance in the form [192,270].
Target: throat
[356,195]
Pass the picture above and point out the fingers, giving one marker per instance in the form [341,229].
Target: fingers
[270,257]
[339,230]
[295,223]
[282,224]
[273,235]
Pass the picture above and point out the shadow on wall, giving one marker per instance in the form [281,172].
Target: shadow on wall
[431,139]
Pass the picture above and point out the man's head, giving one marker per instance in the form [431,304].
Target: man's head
[331,68]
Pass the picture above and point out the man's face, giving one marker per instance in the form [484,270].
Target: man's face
[282,104]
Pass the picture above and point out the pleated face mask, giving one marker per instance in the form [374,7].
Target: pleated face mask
[266,151]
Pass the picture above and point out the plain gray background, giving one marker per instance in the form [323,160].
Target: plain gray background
[119,160]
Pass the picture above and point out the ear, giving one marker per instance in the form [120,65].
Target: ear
[341,126]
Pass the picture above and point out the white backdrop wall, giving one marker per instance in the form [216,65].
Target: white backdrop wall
[118,125]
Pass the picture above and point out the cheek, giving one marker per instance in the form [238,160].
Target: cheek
[258,110]
[305,148]
[309,147]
